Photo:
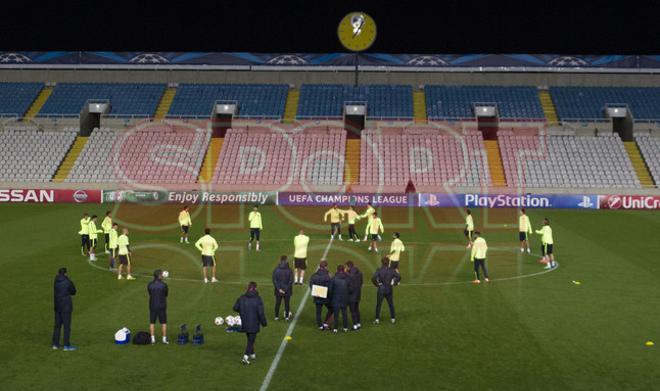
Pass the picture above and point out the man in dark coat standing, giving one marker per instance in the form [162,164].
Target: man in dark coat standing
[63,289]
[385,279]
[283,284]
[321,278]
[339,292]
[158,292]
[251,310]
[354,293]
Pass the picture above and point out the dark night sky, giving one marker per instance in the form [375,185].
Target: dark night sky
[447,26]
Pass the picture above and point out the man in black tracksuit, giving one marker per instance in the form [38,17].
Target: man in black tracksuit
[158,305]
[338,290]
[354,293]
[251,309]
[63,289]
[283,284]
[321,278]
[385,279]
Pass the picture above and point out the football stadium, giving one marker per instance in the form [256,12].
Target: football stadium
[349,218]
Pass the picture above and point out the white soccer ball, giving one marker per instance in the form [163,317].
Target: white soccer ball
[237,320]
[165,274]
[229,320]
[219,321]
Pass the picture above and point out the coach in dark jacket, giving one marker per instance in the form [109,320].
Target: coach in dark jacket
[251,310]
[321,278]
[354,293]
[158,292]
[339,292]
[385,279]
[283,284]
[63,289]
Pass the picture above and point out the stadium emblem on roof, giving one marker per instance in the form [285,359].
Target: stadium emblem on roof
[149,58]
[287,59]
[427,61]
[568,61]
[14,58]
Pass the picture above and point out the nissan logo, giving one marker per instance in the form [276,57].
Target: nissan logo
[80,196]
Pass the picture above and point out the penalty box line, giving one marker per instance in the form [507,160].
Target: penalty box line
[289,331]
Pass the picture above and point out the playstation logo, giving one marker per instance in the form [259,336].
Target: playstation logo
[586,202]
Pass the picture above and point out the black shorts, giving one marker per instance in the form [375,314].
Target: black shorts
[107,238]
[124,260]
[185,228]
[546,249]
[522,236]
[113,253]
[300,263]
[335,227]
[84,240]
[92,243]
[255,233]
[468,234]
[208,260]
[374,237]
[160,315]
[394,264]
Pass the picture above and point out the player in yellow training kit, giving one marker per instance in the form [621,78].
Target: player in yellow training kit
[547,244]
[93,237]
[375,228]
[112,246]
[84,234]
[208,246]
[256,225]
[300,243]
[106,225]
[124,253]
[469,227]
[396,248]
[185,222]
[352,217]
[478,257]
[369,214]
[524,230]
[336,216]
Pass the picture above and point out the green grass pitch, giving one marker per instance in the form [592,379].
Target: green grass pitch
[525,330]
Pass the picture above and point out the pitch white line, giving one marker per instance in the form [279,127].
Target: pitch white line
[289,331]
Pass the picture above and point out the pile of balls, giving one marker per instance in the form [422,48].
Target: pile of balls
[229,320]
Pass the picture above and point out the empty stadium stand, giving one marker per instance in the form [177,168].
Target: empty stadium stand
[650,148]
[30,155]
[566,161]
[254,100]
[588,103]
[16,98]
[424,156]
[275,158]
[456,102]
[151,155]
[126,99]
[327,100]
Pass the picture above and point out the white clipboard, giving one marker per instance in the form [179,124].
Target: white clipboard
[320,291]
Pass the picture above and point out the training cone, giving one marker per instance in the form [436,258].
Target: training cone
[649,343]
[576,282]
[288,338]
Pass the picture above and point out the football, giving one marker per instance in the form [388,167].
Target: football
[229,320]
[237,320]
[219,321]
[165,274]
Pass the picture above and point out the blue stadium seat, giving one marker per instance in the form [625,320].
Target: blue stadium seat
[254,100]
[16,98]
[456,102]
[126,99]
[327,100]
[573,103]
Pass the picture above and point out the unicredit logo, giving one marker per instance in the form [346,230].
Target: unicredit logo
[80,196]
[614,202]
